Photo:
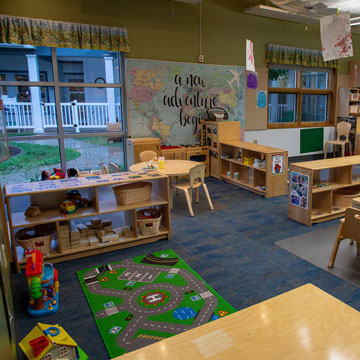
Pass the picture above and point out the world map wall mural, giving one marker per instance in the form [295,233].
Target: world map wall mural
[168,99]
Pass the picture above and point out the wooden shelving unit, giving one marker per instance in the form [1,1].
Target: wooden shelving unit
[268,181]
[99,190]
[212,134]
[319,179]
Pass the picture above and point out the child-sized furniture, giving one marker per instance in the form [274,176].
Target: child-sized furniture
[321,190]
[147,155]
[349,228]
[343,131]
[99,190]
[134,146]
[196,176]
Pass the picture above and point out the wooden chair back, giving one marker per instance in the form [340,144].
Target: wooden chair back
[147,155]
[105,169]
[197,174]
[114,168]
[351,227]
[343,131]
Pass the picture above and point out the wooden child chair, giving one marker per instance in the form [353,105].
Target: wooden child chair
[105,169]
[147,155]
[114,168]
[343,131]
[349,228]
[196,175]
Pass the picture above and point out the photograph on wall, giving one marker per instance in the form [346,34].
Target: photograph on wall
[277,164]
[168,99]
[299,189]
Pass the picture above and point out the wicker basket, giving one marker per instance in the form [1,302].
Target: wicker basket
[149,221]
[132,193]
[37,237]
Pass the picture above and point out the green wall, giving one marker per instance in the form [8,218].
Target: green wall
[155,34]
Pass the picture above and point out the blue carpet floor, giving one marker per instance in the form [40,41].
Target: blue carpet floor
[233,249]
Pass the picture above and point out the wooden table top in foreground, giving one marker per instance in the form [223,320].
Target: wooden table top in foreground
[304,323]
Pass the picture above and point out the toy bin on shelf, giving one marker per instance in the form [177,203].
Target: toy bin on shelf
[149,221]
[344,197]
[132,193]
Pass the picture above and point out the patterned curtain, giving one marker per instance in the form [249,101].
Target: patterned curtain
[289,55]
[38,32]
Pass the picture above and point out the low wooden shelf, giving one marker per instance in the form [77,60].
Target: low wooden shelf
[263,181]
[99,190]
[319,179]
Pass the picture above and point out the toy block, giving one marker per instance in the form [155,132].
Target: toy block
[106,222]
[107,228]
[128,233]
[91,232]
[110,237]
[63,225]
[93,240]
[82,228]
[100,233]
[95,221]
[118,231]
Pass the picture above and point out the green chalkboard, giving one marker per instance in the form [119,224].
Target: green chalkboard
[311,140]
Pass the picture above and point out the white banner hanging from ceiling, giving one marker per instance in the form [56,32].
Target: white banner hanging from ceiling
[335,32]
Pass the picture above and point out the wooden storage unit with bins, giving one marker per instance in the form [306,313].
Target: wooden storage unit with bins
[72,238]
[258,168]
[321,190]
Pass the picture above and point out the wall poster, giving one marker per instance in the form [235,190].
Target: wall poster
[299,189]
[168,99]
[277,164]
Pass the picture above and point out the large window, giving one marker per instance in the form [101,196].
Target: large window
[59,107]
[299,97]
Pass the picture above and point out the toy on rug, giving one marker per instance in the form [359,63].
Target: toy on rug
[43,285]
[50,342]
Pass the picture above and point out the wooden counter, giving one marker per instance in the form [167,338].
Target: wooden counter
[305,323]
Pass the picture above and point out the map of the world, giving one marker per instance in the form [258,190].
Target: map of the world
[168,99]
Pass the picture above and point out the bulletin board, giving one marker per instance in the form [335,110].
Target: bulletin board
[311,140]
[256,112]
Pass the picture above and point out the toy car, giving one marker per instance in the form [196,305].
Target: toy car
[67,207]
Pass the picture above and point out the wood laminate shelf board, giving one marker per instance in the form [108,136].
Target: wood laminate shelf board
[123,240]
[244,183]
[253,147]
[329,163]
[335,212]
[51,215]
[75,183]
[235,161]
[334,187]
[110,205]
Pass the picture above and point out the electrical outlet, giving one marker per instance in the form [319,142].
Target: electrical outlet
[255,141]
[201,58]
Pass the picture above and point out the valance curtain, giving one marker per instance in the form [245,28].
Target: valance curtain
[289,55]
[38,32]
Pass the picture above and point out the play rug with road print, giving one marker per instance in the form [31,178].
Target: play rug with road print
[140,301]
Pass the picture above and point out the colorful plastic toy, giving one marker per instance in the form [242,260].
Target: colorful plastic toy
[67,207]
[43,285]
[50,342]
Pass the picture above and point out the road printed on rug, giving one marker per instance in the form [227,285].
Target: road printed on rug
[146,297]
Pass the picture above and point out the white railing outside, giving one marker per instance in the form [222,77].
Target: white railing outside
[18,115]
[74,114]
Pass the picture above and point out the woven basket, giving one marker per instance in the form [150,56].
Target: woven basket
[147,222]
[40,239]
[132,193]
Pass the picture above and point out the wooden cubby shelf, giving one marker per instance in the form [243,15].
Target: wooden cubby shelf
[265,180]
[99,189]
[314,201]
